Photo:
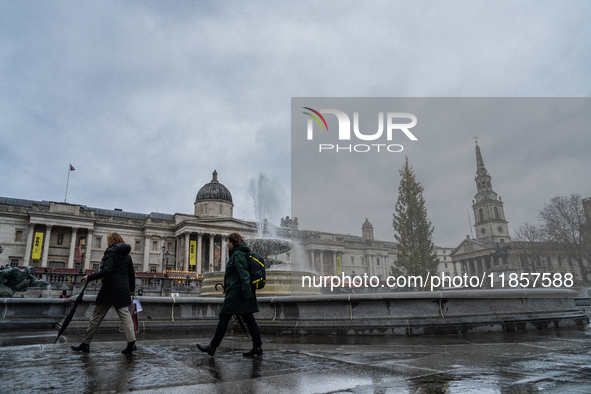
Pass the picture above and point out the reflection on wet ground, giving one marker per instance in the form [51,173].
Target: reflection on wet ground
[549,362]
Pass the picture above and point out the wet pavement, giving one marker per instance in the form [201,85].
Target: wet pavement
[546,361]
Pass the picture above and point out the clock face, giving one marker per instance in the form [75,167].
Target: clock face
[493,196]
[478,197]
[500,229]
[483,231]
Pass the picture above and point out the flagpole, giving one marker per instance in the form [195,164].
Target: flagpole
[67,182]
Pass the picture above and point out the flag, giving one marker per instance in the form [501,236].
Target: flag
[72,168]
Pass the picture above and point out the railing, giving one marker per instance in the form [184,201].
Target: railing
[60,278]
[184,283]
[150,281]
[159,286]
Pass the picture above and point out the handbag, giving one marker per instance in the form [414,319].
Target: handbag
[134,309]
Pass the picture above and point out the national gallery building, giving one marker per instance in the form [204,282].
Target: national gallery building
[68,236]
[72,238]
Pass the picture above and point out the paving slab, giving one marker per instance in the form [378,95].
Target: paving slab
[531,362]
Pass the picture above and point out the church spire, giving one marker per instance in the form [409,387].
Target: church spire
[480,168]
[489,215]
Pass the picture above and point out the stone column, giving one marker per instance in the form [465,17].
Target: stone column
[334,257]
[186,266]
[146,253]
[322,263]
[44,262]
[30,233]
[312,262]
[88,250]
[223,251]
[72,247]
[483,265]
[199,253]
[211,249]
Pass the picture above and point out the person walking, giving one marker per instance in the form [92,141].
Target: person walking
[118,285]
[240,298]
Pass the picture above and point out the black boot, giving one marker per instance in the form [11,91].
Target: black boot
[130,348]
[255,351]
[83,347]
[206,348]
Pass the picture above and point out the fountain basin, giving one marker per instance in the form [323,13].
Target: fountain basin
[408,314]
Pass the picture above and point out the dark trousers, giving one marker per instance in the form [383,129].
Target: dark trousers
[251,323]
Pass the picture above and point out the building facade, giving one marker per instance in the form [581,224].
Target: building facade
[70,237]
[492,253]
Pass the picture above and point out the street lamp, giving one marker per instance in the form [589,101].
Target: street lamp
[165,255]
[82,256]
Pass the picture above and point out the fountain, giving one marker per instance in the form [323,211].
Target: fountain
[283,278]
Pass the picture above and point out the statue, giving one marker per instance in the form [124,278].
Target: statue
[289,223]
[14,279]
[501,252]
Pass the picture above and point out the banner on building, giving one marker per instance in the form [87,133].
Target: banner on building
[192,252]
[339,271]
[37,246]
[81,244]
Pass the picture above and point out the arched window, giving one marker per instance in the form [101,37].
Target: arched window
[481,214]
[496,212]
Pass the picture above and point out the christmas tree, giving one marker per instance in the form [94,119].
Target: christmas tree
[413,229]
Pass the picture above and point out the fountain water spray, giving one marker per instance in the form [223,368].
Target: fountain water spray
[269,202]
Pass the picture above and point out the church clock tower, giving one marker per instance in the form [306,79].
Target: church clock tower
[489,215]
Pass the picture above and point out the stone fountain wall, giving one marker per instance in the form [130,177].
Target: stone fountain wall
[416,313]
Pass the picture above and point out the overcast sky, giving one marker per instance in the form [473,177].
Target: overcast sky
[145,99]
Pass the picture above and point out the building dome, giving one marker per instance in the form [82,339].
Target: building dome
[214,190]
[367,230]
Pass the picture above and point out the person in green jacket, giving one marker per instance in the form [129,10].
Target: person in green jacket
[240,298]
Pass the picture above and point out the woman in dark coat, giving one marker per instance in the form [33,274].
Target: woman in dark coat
[118,285]
[240,298]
